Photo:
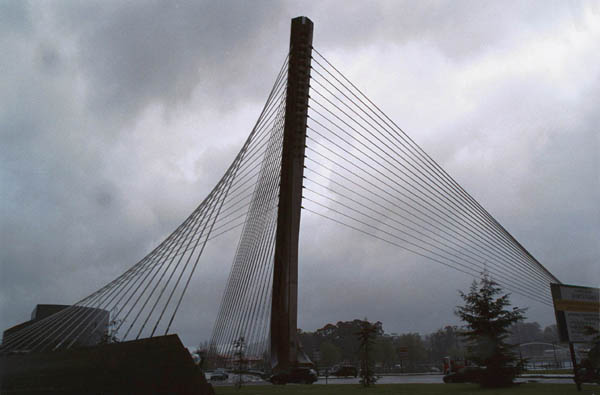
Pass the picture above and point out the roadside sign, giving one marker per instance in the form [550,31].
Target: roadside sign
[402,352]
[577,309]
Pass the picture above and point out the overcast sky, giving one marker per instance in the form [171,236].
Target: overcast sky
[117,118]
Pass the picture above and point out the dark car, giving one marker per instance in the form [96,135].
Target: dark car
[469,374]
[218,375]
[345,371]
[295,375]
[258,373]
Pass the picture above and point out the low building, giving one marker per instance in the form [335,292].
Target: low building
[83,326]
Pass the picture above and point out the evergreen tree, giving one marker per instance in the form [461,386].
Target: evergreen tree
[487,329]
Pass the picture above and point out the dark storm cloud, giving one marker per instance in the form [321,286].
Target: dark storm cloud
[76,77]
[117,119]
[137,53]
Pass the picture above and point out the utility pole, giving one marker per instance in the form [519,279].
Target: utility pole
[284,310]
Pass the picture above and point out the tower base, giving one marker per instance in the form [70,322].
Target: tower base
[158,365]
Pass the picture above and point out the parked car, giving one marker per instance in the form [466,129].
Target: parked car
[219,375]
[258,373]
[295,375]
[345,371]
[468,374]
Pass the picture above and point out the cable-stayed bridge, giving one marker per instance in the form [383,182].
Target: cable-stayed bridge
[319,147]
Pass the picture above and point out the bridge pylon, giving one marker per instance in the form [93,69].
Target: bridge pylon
[284,309]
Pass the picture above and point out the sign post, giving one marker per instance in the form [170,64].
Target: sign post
[577,311]
[403,356]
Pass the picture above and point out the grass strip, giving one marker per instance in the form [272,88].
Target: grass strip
[407,389]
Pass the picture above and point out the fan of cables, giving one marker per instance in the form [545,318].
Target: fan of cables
[365,173]
[144,301]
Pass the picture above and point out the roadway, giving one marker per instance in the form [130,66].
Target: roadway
[398,379]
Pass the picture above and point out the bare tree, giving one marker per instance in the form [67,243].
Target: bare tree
[366,336]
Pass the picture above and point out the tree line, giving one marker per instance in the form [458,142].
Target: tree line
[338,343]
[488,338]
